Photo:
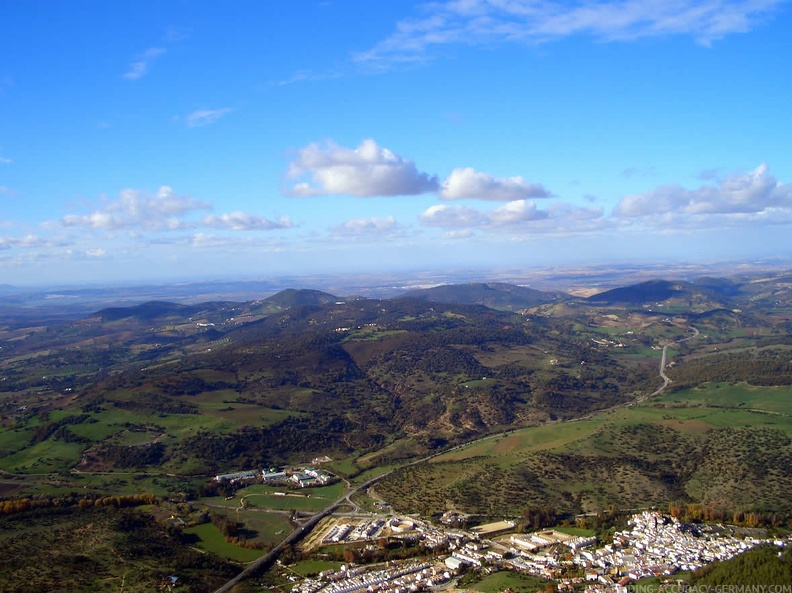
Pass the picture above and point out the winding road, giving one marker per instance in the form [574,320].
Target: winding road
[663,359]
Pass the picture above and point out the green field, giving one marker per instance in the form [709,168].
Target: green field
[268,528]
[265,497]
[500,581]
[767,399]
[45,457]
[549,436]
[211,540]
[122,426]
[576,531]
[271,528]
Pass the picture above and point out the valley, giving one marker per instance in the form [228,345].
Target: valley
[489,400]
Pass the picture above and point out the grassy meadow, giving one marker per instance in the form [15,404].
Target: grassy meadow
[211,540]
[500,581]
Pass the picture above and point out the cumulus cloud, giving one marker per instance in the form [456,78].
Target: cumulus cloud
[445,216]
[467,183]
[203,117]
[240,221]
[371,170]
[140,67]
[368,170]
[25,242]
[753,193]
[135,209]
[473,22]
[374,228]
[514,217]
[458,234]
[370,224]
[235,244]
[515,213]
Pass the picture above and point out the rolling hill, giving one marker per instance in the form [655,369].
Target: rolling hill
[496,295]
[215,386]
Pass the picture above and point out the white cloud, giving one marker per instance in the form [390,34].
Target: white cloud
[135,209]
[371,170]
[458,234]
[467,183]
[374,228]
[25,242]
[471,22]
[366,171]
[228,244]
[372,224]
[753,193]
[515,217]
[515,213]
[139,68]
[203,117]
[240,221]
[445,216]
[5,161]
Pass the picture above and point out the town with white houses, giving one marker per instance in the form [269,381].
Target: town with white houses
[654,545]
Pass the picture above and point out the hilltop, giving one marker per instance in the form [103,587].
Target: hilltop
[496,295]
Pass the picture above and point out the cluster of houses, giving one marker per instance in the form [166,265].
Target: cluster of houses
[400,578]
[401,528]
[655,545]
[302,477]
[351,532]
[542,539]
[659,545]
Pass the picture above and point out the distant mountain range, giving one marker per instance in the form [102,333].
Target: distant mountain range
[147,303]
[698,296]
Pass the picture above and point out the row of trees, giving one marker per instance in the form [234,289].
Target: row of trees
[696,513]
[21,505]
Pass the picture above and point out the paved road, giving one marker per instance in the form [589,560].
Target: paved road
[663,359]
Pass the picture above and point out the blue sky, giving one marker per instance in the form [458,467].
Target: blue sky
[171,140]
